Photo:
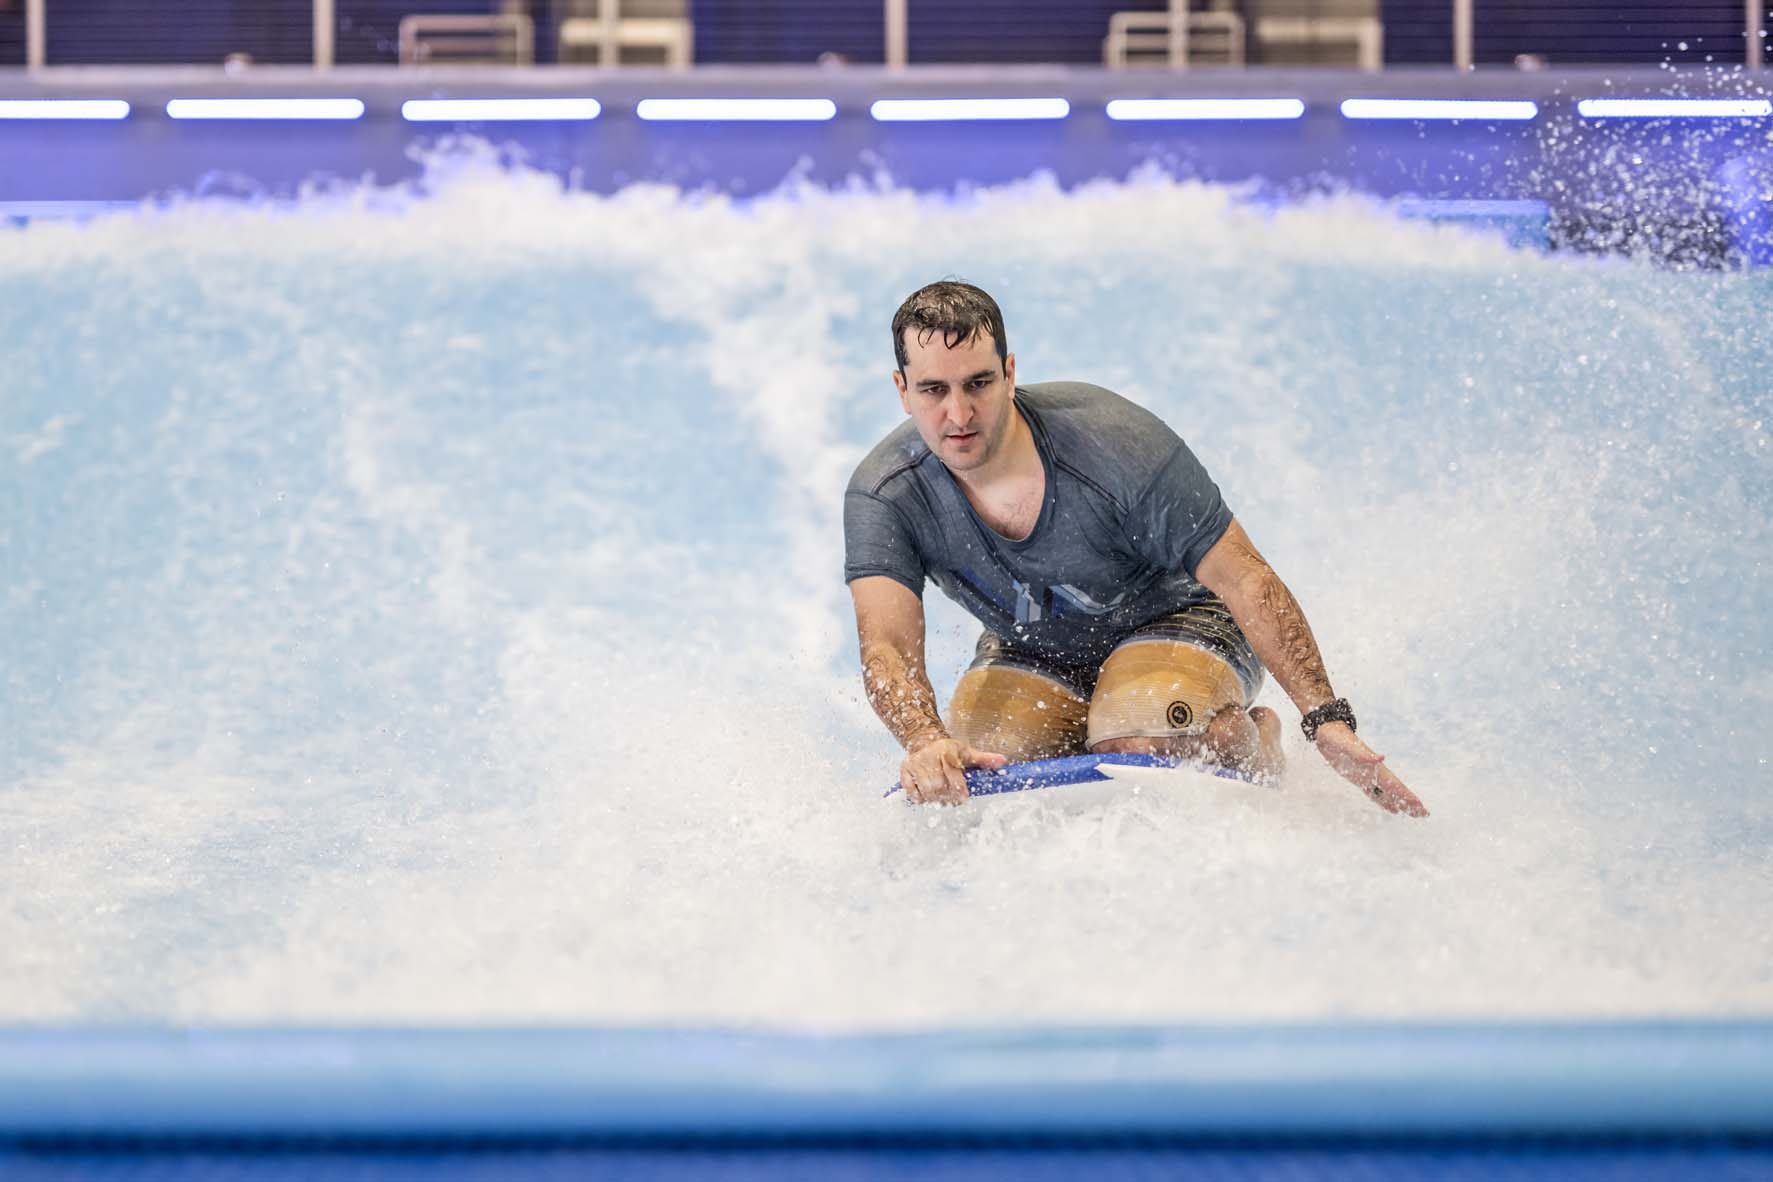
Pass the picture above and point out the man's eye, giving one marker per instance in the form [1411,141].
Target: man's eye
[978,383]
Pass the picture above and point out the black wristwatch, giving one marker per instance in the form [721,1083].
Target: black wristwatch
[1336,711]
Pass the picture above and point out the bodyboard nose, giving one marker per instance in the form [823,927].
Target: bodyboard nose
[1117,773]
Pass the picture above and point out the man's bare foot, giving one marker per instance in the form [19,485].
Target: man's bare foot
[1267,761]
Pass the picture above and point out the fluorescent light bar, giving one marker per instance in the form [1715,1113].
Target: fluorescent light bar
[736,110]
[500,110]
[1225,108]
[63,109]
[1486,110]
[264,108]
[941,110]
[1675,108]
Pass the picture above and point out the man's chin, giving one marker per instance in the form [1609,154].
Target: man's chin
[963,461]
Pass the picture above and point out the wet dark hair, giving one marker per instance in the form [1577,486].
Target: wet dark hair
[959,311]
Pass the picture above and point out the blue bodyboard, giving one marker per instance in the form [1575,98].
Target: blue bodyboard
[1068,769]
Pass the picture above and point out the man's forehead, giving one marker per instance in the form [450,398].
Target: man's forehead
[930,347]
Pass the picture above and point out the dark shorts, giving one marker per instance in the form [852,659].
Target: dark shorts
[1206,625]
[1167,679]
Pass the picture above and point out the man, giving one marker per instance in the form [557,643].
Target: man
[1125,609]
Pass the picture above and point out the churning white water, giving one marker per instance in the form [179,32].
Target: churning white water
[430,609]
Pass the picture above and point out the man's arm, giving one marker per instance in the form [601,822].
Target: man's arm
[889,625]
[1277,630]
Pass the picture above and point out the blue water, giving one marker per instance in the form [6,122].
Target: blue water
[429,608]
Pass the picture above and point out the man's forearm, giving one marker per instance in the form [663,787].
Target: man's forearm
[1275,626]
[901,694]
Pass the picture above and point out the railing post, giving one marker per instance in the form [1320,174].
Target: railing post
[1462,21]
[898,33]
[323,30]
[36,43]
[1179,34]
[609,33]
[1755,15]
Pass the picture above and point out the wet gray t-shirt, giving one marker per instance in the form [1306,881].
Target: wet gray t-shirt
[1128,515]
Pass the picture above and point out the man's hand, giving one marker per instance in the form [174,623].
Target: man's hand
[1365,768]
[935,773]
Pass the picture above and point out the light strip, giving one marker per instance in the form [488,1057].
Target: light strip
[63,109]
[264,108]
[1675,108]
[500,110]
[1487,110]
[736,110]
[942,110]
[1224,108]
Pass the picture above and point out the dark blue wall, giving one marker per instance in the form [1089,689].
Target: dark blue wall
[1007,31]
[120,32]
[274,32]
[12,32]
[784,32]
[1569,32]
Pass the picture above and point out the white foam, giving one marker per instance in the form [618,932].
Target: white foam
[428,608]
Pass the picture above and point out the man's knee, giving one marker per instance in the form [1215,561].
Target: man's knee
[1018,712]
[1153,695]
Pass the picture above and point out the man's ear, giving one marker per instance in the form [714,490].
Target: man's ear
[904,390]
[1009,372]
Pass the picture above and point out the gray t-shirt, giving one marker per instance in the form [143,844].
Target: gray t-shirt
[1128,515]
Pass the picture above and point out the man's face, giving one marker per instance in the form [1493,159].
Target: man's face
[960,398]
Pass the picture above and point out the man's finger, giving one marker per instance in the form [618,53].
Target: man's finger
[1408,802]
[984,758]
[926,784]
[1393,802]
[1393,797]
[957,782]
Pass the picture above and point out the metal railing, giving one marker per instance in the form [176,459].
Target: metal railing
[896,16]
[501,38]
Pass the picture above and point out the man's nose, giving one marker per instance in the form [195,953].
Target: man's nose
[959,413]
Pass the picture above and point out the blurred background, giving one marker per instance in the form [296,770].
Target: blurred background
[1266,32]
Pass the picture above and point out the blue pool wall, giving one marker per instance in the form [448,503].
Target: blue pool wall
[1656,1081]
[1693,186]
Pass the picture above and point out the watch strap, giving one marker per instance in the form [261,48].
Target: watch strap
[1337,710]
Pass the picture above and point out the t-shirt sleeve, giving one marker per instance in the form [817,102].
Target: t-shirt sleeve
[878,541]
[1179,516]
